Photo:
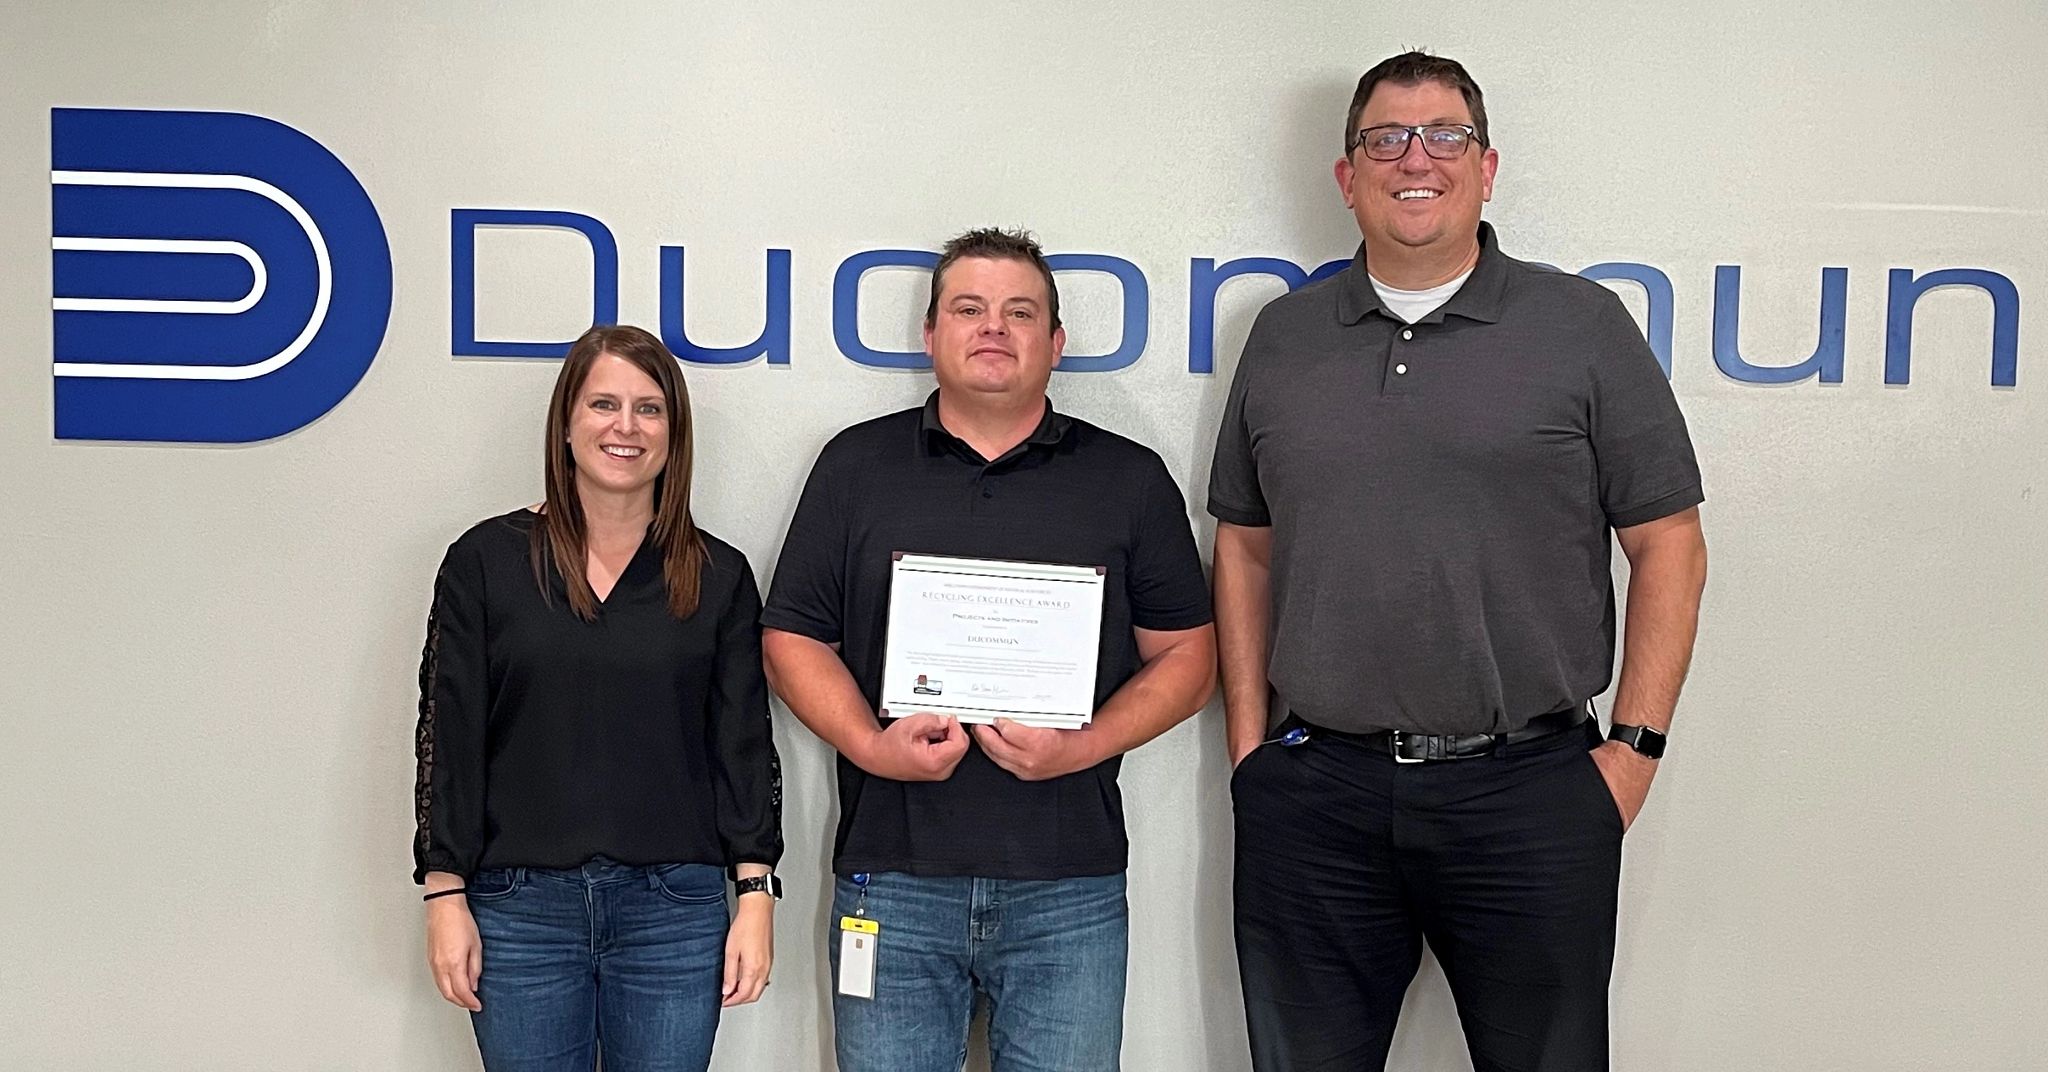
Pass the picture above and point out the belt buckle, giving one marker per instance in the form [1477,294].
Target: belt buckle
[1395,742]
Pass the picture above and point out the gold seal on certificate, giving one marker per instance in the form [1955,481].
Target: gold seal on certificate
[978,639]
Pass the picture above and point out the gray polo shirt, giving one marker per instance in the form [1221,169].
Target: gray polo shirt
[1440,494]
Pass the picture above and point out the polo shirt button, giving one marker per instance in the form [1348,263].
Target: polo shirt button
[1407,333]
[1400,370]
[988,493]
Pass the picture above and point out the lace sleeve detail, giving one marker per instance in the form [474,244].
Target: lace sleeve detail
[423,735]
[448,792]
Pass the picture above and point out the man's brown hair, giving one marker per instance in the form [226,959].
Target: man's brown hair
[1412,69]
[994,243]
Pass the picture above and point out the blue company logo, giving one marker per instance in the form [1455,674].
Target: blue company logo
[1206,279]
[218,277]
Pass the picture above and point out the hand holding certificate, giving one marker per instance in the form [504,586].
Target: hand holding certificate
[978,640]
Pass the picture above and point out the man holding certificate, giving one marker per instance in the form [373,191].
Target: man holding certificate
[986,560]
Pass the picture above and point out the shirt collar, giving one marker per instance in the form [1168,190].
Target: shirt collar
[1479,299]
[1052,429]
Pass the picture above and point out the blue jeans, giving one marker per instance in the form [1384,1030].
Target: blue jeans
[1049,956]
[627,960]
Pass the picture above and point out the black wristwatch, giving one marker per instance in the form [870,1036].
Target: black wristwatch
[1647,742]
[767,884]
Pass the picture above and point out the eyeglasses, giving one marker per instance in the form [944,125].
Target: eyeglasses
[1444,141]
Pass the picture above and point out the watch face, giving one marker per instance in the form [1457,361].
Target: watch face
[1646,741]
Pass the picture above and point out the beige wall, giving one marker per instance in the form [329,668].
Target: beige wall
[208,655]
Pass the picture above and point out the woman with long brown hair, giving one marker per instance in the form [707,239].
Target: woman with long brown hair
[594,747]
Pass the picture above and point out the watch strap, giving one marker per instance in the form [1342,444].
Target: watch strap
[768,884]
[1647,742]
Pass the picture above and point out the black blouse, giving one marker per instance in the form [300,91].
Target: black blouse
[545,740]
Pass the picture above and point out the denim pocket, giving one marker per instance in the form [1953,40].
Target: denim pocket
[495,883]
[692,884]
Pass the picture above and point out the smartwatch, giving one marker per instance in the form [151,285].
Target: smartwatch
[1647,742]
[768,884]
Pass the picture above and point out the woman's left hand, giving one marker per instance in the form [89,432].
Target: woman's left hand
[749,949]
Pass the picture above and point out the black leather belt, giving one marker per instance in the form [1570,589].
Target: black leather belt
[1406,747]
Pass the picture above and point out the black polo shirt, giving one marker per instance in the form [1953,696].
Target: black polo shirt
[1441,493]
[1070,493]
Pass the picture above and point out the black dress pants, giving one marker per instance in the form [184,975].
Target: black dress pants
[1506,864]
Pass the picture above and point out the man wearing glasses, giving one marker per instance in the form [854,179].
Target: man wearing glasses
[1418,468]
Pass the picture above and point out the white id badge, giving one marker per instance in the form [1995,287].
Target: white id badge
[857,938]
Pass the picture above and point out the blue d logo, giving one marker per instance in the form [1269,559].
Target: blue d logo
[218,277]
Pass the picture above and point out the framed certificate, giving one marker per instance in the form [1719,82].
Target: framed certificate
[980,639]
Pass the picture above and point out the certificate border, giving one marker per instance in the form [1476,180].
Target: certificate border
[896,558]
